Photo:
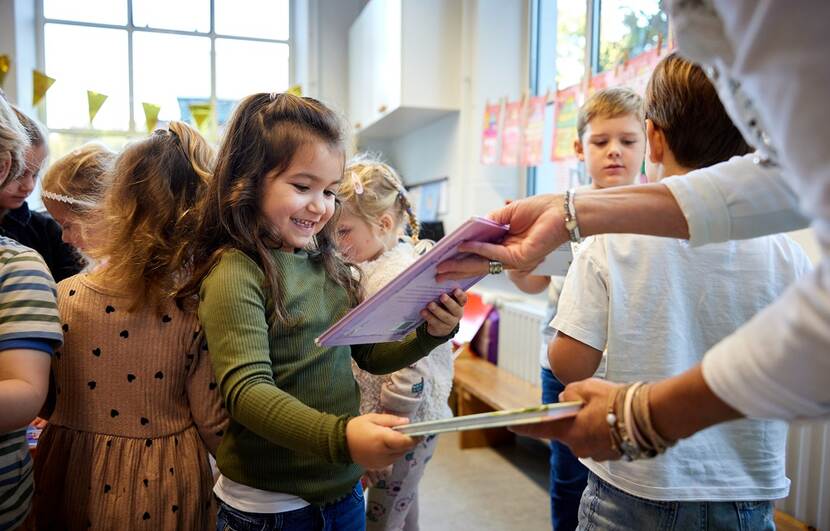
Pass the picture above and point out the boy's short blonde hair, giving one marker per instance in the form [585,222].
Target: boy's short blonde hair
[609,103]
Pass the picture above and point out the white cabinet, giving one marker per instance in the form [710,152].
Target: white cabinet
[404,58]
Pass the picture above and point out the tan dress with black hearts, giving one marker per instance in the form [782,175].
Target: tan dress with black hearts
[137,410]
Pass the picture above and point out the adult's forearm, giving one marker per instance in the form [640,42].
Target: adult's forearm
[638,209]
[684,404]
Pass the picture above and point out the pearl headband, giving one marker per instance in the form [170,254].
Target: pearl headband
[66,199]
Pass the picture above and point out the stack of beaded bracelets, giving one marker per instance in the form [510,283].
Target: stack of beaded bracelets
[629,420]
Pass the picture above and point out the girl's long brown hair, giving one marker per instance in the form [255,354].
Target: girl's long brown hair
[262,138]
[149,214]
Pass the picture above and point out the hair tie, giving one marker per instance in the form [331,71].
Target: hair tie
[66,199]
[272,96]
[358,185]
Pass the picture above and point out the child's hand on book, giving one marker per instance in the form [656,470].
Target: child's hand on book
[372,444]
[444,317]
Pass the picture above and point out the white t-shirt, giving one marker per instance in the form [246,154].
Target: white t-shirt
[251,500]
[657,305]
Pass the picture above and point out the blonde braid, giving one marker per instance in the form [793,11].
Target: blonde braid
[414,226]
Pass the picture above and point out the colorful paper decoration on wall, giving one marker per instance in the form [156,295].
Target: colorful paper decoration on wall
[5,66]
[511,133]
[533,130]
[201,113]
[564,123]
[490,133]
[40,84]
[151,115]
[94,101]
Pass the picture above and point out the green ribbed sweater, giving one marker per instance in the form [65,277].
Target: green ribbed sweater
[289,400]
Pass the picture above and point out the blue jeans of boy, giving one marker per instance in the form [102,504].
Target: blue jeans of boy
[608,508]
[568,476]
[346,514]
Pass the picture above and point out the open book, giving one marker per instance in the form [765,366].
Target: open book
[394,311]
[496,419]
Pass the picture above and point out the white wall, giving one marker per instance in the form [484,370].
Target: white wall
[17,39]
[494,61]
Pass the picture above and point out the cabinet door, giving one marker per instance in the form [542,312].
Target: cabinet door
[360,78]
[387,64]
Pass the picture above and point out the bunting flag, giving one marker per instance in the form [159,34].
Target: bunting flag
[5,66]
[40,84]
[511,135]
[201,113]
[94,101]
[296,90]
[151,115]
[490,133]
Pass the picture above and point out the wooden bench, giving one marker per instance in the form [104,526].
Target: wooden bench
[479,387]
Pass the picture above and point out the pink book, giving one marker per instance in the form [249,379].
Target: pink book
[394,311]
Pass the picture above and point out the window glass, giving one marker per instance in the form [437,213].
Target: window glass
[170,71]
[265,19]
[570,42]
[245,67]
[74,58]
[100,11]
[185,15]
[628,28]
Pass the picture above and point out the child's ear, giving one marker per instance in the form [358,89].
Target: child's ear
[656,147]
[5,166]
[386,222]
[578,149]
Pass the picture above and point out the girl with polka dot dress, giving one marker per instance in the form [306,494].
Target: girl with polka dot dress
[137,409]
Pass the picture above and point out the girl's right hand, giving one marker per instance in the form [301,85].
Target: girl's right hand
[372,444]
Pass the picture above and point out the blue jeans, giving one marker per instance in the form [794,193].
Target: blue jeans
[607,508]
[568,476]
[346,514]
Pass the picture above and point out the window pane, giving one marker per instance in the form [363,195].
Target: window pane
[570,43]
[628,28]
[74,55]
[102,11]
[167,68]
[185,15]
[245,67]
[267,19]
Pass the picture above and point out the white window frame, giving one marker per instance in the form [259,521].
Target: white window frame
[130,28]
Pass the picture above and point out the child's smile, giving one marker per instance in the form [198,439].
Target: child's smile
[299,201]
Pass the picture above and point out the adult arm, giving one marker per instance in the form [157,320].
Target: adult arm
[732,200]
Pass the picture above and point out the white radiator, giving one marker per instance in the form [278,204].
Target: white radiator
[520,339]
[808,467]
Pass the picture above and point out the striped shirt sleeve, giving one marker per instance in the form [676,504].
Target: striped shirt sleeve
[28,312]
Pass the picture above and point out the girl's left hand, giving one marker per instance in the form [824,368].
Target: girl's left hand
[443,318]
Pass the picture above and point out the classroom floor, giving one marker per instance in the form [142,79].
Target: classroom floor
[486,489]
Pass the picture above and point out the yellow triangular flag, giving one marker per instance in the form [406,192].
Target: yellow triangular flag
[151,115]
[40,84]
[94,100]
[296,90]
[201,113]
[5,66]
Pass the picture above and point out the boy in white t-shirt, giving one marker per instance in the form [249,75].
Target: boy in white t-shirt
[656,305]
[611,142]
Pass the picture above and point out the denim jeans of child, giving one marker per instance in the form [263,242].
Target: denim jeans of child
[607,508]
[568,476]
[346,514]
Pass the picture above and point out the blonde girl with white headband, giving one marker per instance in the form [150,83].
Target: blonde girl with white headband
[370,233]
[72,188]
